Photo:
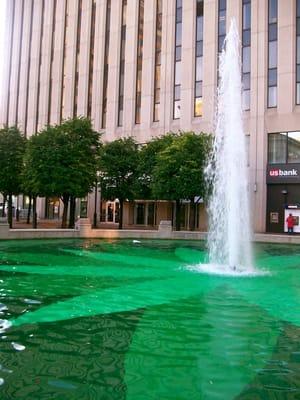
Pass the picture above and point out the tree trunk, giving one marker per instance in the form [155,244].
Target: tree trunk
[192,215]
[4,202]
[72,212]
[34,214]
[10,216]
[121,214]
[65,200]
[29,210]
[178,215]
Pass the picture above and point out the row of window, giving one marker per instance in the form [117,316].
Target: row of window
[284,147]
[198,82]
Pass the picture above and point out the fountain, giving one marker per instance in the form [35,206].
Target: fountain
[229,220]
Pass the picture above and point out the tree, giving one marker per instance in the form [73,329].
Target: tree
[118,168]
[62,161]
[179,171]
[147,161]
[12,148]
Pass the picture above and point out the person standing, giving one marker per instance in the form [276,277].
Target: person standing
[290,224]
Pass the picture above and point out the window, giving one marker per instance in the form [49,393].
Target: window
[272,54]
[198,99]
[28,70]
[20,51]
[91,60]
[246,54]
[139,66]
[122,64]
[298,52]
[63,92]
[53,34]
[293,147]
[277,148]
[221,24]
[79,12]
[177,63]
[158,35]
[40,65]
[105,69]
[284,148]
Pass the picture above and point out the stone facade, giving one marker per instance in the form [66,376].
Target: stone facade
[33,66]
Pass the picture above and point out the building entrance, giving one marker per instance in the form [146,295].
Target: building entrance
[280,200]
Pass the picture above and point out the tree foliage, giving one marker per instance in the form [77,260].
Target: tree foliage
[12,148]
[118,166]
[62,161]
[179,170]
[148,155]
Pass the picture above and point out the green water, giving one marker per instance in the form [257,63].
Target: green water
[124,320]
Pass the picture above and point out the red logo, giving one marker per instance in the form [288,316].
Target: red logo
[274,172]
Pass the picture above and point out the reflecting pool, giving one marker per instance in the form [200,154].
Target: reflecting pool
[140,320]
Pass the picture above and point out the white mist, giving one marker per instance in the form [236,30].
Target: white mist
[229,238]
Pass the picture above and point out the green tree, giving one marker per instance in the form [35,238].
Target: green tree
[12,148]
[62,161]
[147,161]
[118,166]
[179,171]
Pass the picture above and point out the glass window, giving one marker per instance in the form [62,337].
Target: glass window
[222,22]
[176,109]
[222,4]
[199,9]
[198,92]
[199,49]
[246,100]
[221,43]
[158,58]
[298,93]
[272,32]
[277,148]
[199,68]
[298,8]
[272,96]
[246,81]
[178,53]
[199,29]
[157,95]
[198,107]
[294,147]
[298,50]
[178,34]
[177,92]
[272,11]
[247,16]
[156,112]
[159,7]
[272,55]
[246,37]
[177,73]
[157,76]
[246,59]
[298,73]
[179,14]
[272,77]
[298,26]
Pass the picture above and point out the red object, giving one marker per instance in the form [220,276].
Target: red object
[290,221]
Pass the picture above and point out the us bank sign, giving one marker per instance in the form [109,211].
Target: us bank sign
[283,173]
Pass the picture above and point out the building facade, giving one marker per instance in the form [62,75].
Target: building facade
[145,67]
